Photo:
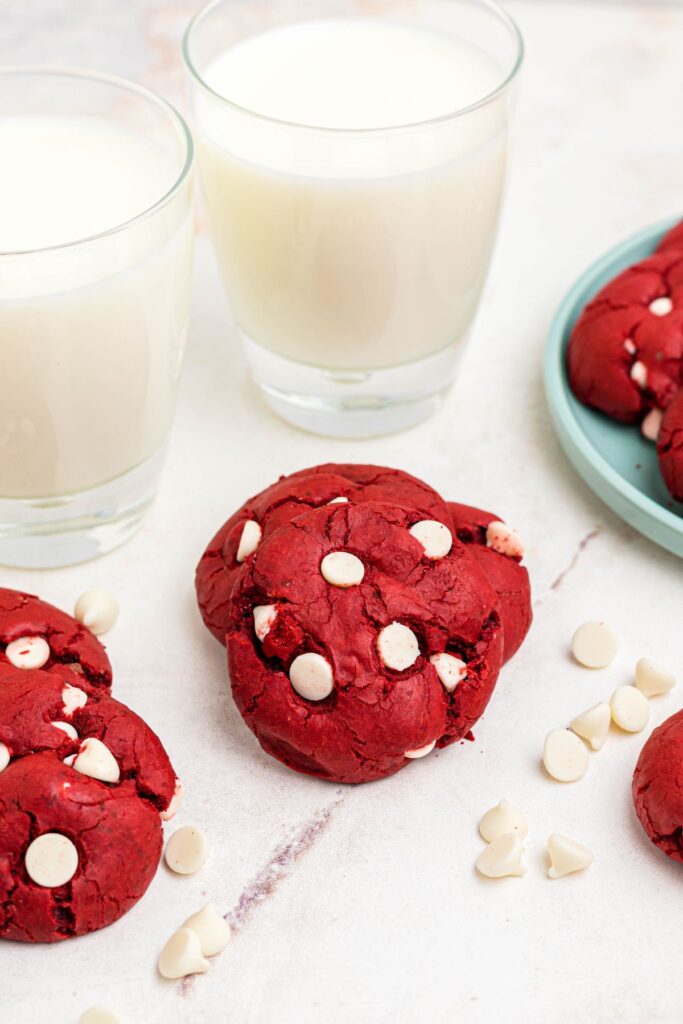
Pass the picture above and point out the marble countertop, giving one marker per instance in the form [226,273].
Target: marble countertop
[362,904]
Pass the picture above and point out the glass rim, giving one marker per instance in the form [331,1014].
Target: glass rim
[490,5]
[143,93]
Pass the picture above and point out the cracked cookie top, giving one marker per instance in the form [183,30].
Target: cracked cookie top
[658,787]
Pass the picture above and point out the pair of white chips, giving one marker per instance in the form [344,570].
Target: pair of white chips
[203,934]
[504,828]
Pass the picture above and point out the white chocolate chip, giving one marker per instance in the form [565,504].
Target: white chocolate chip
[73,699]
[182,955]
[66,727]
[250,539]
[593,725]
[502,857]
[4,756]
[564,755]
[435,538]
[212,930]
[176,800]
[652,679]
[187,850]
[100,1015]
[504,540]
[28,652]
[594,645]
[398,646]
[449,669]
[338,501]
[652,424]
[630,347]
[566,856]
[96,760]
[264,619]
[630,709]
[639,374]
[98,610]
[421,751]
[661,306]
[311,676]
[69,761]
[51,860]
[342,569]
[501,820]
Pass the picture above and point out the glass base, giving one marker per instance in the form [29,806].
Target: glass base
[347,403]
[46,533]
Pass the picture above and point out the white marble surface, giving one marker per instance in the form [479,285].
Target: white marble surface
[362,905]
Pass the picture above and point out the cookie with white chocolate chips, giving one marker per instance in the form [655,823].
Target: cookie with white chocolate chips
[352,675]
[83,788]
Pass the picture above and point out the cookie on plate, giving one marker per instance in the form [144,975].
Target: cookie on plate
[670,447]
[289,497]
[658,787]
[83,788]
[36,635]
[362,636]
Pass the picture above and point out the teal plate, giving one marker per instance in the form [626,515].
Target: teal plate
[616,462]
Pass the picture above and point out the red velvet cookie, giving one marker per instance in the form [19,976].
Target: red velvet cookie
[625,355]
[670,447]
[55,641]
[658,787]
[84,787]
[289,497]
[498,552]
[361,637]
[673,240]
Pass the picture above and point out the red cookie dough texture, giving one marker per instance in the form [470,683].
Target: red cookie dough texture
[670,447]
[625,355]
[74,652]
[508,578]
[93,845]
[382,700]
[222,561]
[658,787]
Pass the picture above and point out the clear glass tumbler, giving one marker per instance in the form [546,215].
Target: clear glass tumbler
[353,243]
[96,239]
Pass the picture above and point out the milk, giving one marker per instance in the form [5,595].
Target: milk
[91,335]
[342,247]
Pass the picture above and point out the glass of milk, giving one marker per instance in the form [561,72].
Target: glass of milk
[352,155]
[96,236]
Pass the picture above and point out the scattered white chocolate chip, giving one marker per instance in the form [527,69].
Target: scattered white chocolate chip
[311,676]
[96,760]
[249,540]
[176,800]
[100,1015]
[435,538]
[639,374]
[187,850]
[593,725]
[661,306]
[4,756]
[651,425]
[51,860]
[264,619]
[182,955]
[342,569]
[502,857]
[501,820]
[66,727]
[504,540]
[630,347]
[73,699]
[449,669]
[566,856]
[97,610]
[594,645]
[28,652]
[630,709]
[338,501]
[564,755]
[652,679]
[398,646]
[421,751]
[212,930]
